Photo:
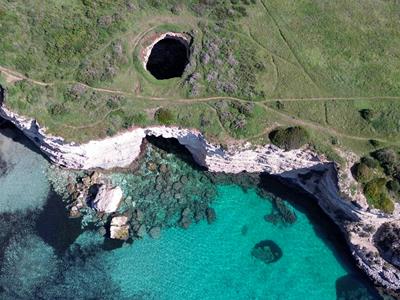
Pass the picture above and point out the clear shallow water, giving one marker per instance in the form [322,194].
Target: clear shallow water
[214,261]
[23,182]
[39,258]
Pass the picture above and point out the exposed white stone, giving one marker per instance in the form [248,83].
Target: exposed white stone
[108,199]
[119,228]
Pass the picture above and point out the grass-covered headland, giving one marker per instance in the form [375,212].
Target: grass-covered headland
[323,73]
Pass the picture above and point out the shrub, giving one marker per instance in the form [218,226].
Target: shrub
[387,159]
[375,143]
[377,196]
[164,116]
[367,114]
[290,138]
[370,162]
[393,186]
[57,109]
[361,172]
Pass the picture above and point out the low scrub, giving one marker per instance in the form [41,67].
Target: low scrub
[362,172]
[164,116]
[377,195]
[290,138]
[388,159]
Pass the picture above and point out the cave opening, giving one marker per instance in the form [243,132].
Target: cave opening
[168,58]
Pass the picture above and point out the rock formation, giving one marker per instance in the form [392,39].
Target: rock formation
[119,228]
[302,168]
[108,199]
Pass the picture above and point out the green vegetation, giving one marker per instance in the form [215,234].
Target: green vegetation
[164,116]
[300,72]
[379,173]
[388,159]
[289,138]
[362,173]
[376,193]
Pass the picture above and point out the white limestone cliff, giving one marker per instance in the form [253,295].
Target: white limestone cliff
[292,166]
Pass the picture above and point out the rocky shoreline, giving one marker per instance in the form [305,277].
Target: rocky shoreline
[304,169]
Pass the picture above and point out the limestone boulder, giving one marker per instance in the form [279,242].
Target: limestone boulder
[108,199]
[119,228]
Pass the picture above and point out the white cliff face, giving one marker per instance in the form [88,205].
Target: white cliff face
[121,150]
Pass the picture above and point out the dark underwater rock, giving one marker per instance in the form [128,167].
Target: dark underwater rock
[244,230]
[267,251]
[211,215]
[3,166]
[141,232]
[185,222]
[155,232]
[282,214]
[273,218]
[348,287]
[288,216]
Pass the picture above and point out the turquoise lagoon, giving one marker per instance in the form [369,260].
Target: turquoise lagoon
[203,262]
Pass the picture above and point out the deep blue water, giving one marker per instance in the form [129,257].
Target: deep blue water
[44,255]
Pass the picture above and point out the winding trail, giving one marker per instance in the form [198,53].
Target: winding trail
[13,76]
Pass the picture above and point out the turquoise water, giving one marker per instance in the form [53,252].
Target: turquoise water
[23,182]
[43,255]
[214,261]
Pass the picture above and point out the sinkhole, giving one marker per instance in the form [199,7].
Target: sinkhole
[168,58]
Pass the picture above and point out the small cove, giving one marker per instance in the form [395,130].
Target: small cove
[202,262]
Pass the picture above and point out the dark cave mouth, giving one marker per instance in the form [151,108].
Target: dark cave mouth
[168,58]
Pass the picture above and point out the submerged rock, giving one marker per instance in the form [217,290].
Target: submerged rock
[348,287]
[163,168]
[244,230]
[155,232]
[3,166]
[288,216]
[267,251]
[151,166]
[108,199]
[185,222]
[211,215]
[141,232]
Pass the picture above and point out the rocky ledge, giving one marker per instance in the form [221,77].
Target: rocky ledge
[304,169]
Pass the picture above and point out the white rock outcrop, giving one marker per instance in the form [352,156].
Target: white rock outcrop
[119,228]
[108,199]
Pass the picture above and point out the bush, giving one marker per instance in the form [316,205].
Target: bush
[393,186]
[367,114]
[375,143]
[164,116]
[370,162]
[387,159]
[377,196]
[57,109]
[290,138]
[361,172]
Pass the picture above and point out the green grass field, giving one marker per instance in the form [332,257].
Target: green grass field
[315,64]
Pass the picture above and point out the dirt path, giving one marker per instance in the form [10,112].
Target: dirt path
[318,127]
[13,76]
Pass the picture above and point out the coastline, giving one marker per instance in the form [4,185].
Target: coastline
[301,168]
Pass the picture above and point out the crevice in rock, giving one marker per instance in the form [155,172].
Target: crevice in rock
[173,146]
